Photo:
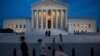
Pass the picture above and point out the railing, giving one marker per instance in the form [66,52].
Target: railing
[53,52]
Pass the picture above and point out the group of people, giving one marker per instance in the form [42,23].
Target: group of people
[48,33]
[42,48]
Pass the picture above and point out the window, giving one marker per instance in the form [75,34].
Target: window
[85,26]
[9,26]
[81,25]
[16,26]
[20,26]
[89,25]
[77,25]
[24,26]
[13,26]
[74,25]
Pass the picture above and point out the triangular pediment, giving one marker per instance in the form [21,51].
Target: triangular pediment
[49,4]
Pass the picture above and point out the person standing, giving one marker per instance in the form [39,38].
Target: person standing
[49,33]
[61,39]
[46,33]
[42,48]
[23,46]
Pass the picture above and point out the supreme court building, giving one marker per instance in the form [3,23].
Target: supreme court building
[51,15]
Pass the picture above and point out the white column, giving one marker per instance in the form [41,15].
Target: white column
[37,19]
[32,19]
[51,19]
[56,19]
[46,19]
[61,12]
[64,18]
[41,19]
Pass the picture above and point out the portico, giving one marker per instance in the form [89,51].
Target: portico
[48,19]
[48,14]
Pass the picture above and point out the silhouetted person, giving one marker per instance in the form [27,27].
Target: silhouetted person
[60,40]
[53,40]
[49,33]
[46,33]
[23,46]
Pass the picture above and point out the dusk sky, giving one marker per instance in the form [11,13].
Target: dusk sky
[76,8]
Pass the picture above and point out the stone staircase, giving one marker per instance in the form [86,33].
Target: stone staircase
[41,32]
[11,38]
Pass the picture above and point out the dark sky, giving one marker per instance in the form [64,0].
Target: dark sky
[76,8]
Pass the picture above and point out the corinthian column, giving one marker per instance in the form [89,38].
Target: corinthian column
[56,19]
[64,18]
[46,19]
[61,25]
[37,19]
[41,19]
[32,19]
[51,19]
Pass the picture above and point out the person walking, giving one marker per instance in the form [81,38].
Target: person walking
[23,46]
[42,48]
[61,39]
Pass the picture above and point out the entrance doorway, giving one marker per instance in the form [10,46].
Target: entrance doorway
[49,24]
